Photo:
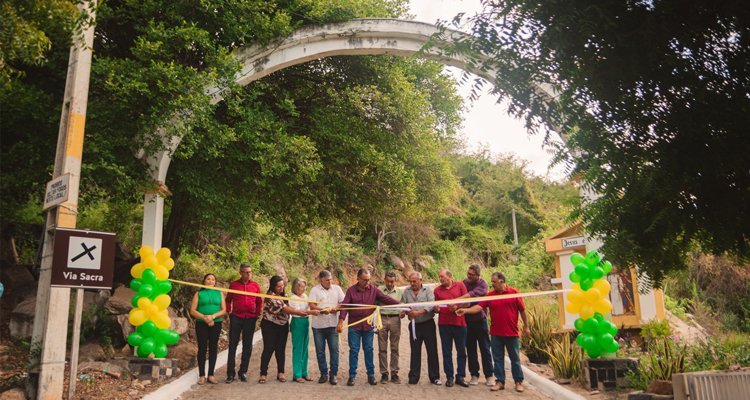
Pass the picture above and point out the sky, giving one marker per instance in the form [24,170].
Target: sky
[486,123]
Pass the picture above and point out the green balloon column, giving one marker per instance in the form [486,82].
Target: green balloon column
[589,299]
[149,315]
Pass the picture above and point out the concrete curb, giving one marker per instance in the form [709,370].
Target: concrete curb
[544,385]
[174,389]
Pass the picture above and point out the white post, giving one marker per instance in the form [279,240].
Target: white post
[153,220]
[515,230]
[73,374]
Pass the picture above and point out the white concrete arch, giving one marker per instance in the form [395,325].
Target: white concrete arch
[357,37]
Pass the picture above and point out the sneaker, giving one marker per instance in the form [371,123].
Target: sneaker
[474,380]
[243,377]
[384,378]
[230,379]
[490,381]
[323,378]
[371,380]
[395,378]
[437,382]
[498,386]
[461,382]
[519,387]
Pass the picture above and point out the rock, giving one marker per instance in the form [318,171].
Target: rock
[90,352]
[122,253]
[22,319]
[13,394]
[15,276]
[421,264]
[397,263]
[125,325]
[660,387]
[185,353]
[180,325]
[119,302]
[105,367]
[408,270]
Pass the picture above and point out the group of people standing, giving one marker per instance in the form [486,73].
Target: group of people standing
[463,325]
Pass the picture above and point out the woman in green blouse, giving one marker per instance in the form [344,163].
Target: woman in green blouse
[207,308]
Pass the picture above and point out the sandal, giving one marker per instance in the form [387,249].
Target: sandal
[307,378]
[212,380]
[202,380]
[300,380]
[262,379]
[281,378]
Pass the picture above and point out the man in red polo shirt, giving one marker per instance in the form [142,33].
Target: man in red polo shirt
[503,330]
[243,313]
[452,328]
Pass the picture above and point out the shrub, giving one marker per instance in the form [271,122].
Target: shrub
[720,353]
[564,358]
[654,330]
[663,359]
[541,324]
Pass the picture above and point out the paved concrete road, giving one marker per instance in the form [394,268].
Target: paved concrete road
[289,390]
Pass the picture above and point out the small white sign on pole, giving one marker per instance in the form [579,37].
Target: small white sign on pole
[57,191]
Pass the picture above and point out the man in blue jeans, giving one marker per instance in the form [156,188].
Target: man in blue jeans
[365,294]
[503,330]
[328,296]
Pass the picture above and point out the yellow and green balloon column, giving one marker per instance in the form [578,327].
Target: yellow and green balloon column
[150,316]
[589,298]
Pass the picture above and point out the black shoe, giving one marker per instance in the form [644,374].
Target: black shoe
[461,382]
[350,382]
[371,380]
[333,380]
[411,382]
[323,378]
[243,378]
[449,382]
[384,379]
[230,379]
[394,378]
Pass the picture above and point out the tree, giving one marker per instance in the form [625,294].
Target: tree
[653,99]
[328,141]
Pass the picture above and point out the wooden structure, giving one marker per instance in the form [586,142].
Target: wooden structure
[630,308]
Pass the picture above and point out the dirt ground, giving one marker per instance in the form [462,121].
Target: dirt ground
[361,390]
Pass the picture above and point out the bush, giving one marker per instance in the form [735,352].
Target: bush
[542,325]
[720,353]
[564,358]
[662,359]
[655,330]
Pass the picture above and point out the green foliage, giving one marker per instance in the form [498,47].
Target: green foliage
[663,358]
[720,353]
[564,358]
[628,78]
[542,325]
[655,331]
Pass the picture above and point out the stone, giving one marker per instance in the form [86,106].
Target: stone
[660,387]
[185,354]
[180,325]
[397,263]
[125,325]
[21,323]
[120,301]
[90,352]
[15,276]
[110,369]
[13,394]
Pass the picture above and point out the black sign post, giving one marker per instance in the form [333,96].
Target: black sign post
[83,259]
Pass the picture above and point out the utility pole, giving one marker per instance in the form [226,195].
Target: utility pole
[515,230]
[52,304]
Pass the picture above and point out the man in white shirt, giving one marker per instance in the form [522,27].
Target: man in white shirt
[324,325]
